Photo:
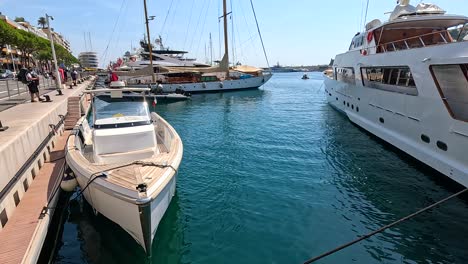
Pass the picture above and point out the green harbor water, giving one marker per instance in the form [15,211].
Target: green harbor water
[276,175]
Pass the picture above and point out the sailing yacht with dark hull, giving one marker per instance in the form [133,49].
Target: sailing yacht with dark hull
[406,81]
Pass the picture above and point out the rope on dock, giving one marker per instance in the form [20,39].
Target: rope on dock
[384,228]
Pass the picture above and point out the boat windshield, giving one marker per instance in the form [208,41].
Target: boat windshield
[119,111]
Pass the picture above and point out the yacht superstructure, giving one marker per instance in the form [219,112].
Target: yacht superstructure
[406,81]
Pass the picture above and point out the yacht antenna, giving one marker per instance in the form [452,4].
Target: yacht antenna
[211,50]
[365,17]
[90,43]
[150,49]
[85,42]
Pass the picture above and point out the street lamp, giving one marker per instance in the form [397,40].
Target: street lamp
[11,56]
[58,81]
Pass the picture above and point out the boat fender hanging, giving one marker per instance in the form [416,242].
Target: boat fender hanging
[204,85]
[364,52]
[69,182]
[370,36]
[221,85]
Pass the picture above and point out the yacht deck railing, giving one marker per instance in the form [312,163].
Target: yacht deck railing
[429,39]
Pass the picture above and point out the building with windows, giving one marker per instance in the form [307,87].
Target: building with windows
[88,59]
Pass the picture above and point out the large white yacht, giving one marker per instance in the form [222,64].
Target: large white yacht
[406,81]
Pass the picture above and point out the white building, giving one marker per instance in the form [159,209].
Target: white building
[88,59]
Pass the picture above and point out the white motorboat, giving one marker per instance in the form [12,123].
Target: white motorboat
[125,160]
[406,81]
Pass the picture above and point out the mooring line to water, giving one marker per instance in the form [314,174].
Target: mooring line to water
[384,228]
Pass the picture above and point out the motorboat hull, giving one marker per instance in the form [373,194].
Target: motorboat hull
[140,218]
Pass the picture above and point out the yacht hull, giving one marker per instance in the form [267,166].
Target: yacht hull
[402,121]
[211,87]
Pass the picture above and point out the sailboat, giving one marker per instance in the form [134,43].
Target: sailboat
[126,160]
[198,79]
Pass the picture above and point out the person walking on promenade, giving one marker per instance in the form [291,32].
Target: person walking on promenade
[33,80]
[74,75]
[62,76]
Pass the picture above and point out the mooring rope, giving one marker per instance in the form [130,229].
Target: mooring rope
[380,230]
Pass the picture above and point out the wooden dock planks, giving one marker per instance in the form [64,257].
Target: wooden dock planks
[15,238]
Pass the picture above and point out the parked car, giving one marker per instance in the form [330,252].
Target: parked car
[7,74]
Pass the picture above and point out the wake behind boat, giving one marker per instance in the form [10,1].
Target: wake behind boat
[125,160]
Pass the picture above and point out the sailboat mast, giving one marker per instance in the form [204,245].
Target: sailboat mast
[150,49]
[226,46]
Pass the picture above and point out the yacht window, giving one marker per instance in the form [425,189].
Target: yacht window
[392,79]
[452,82]
[346,75]
[120,111]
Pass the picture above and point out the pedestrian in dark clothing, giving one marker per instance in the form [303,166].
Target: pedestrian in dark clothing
[74,76]
[33,84]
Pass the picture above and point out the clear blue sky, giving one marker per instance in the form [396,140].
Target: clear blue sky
[295,32]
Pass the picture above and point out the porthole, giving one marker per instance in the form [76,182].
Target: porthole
[357,108]
[337,98]
[425,138]
[347,104]
[359,99]
[344,103]
[352,107]
[382,120]
[442,145]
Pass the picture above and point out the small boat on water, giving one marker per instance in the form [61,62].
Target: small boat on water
[305,77]
[125,160]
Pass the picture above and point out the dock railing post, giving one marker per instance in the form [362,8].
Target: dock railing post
[8,89]
[17,87]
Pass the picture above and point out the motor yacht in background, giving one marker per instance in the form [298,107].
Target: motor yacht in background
[406,81]
[130,184]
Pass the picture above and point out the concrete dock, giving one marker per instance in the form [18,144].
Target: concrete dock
[31,162]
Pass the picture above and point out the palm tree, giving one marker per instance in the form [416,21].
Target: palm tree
[42,22]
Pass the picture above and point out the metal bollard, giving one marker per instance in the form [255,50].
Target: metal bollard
[2,128]
[8,89]
[17,87]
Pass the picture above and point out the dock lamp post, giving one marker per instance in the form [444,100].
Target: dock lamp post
[58,81]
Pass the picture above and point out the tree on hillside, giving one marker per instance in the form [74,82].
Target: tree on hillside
[42,22]
[19,19]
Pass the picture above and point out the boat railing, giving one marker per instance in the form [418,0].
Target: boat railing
[163,132]
[424,40]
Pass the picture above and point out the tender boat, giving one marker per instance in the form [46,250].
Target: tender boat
[406,81]
[125,160]
[305,77]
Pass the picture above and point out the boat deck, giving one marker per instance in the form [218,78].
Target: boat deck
[131,176]
[21,229]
